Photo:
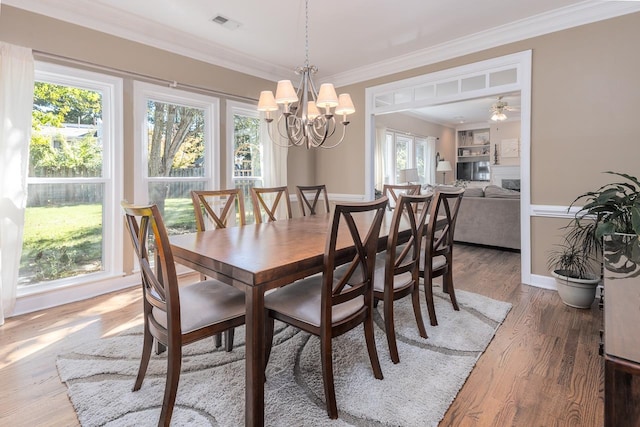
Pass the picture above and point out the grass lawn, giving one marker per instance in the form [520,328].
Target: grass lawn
[62,241]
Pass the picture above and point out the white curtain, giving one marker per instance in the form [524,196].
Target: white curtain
[381,137]
[16,103]
[274,169]
[431,163]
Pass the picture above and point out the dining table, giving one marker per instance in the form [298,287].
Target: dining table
[256,258]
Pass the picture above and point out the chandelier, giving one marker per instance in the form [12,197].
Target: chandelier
[498,109]
[307,117]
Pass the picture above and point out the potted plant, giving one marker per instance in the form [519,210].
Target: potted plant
[574,271]
[613,210]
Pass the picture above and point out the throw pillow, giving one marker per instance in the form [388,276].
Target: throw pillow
[499,192]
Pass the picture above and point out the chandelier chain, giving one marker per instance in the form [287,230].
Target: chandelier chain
[306,33]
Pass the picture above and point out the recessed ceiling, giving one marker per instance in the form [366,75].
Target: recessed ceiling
[349,41]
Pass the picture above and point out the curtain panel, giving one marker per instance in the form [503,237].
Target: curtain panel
[16,103]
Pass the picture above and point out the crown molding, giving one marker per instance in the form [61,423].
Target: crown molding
[137,29]
[556,20]
[103,18]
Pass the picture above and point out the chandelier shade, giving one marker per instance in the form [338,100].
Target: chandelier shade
[306,115]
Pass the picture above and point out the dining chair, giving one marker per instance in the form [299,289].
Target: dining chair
[331,303]
[218,209]
[437,252]
[174,316]
[397,269]
[310,195]
[392,191]
[268,199]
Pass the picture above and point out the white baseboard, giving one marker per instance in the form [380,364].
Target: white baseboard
[72,293]
[545,282]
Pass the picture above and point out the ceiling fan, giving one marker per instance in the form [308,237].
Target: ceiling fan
[498,110]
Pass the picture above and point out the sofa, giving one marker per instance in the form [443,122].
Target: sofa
[489,216]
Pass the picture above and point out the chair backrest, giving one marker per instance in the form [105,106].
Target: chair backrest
[442,222]
[359,219]
[216,207]
[393,191]
[268,199]
[160,287]
[310,195]
[409,215]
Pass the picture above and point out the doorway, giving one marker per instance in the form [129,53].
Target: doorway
[490,78]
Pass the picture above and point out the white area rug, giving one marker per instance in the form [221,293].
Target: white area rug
[416,392]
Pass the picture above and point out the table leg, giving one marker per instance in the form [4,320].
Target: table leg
[254,360]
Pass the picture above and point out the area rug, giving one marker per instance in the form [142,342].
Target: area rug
[415,392]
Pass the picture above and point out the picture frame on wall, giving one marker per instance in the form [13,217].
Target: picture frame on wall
[480,138]
[509,148]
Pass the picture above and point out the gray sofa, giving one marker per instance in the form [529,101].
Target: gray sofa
[490,217]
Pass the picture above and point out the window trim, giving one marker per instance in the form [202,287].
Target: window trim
[112,159]
[211,106]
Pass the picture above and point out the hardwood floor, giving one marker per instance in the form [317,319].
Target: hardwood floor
[541,369]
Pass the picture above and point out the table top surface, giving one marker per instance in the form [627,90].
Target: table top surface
[256,254]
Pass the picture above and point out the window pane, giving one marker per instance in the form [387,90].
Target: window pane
[62,232]
[247,158]
[175,151]
[175,205]
[176,139]
[66,139]
[402,154]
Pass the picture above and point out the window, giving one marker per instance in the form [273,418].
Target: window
[404,151]
[247,161]
[177,150]
[72,232]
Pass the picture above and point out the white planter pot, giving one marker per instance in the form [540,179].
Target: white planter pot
[578,293]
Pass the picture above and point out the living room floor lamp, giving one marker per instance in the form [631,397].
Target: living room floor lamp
[444,166]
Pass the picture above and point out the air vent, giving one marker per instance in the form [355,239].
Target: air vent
[227,23]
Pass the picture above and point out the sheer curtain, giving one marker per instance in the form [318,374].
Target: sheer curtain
[16,103]
[381,137]
[274,170]
[430,156]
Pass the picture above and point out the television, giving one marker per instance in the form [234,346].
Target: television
[473,171]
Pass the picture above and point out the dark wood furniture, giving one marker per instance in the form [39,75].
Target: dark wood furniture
[259,257]
[621,344]
[175,316]
[393,191]
[338,300]
[269,199]
[397,269]
[310,195]
[437,256]
[219,208]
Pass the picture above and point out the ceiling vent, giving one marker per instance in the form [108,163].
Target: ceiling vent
[227,23]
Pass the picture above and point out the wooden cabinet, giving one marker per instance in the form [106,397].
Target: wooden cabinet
[621,344]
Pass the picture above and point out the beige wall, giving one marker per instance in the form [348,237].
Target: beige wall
[585,103]
[585,106]
[500,131]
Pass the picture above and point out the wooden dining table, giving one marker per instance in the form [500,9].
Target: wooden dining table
[257,258]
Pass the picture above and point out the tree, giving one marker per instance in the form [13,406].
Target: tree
[54,105]
[174,127]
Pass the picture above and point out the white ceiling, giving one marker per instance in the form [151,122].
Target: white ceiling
[349,40]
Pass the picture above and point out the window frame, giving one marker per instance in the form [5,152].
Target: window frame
[142,92]
[111,88]
[391,144]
